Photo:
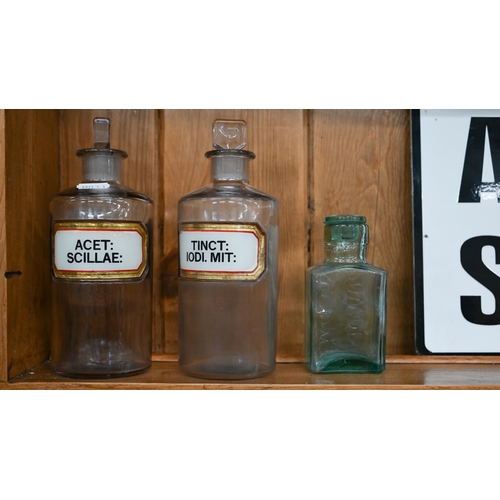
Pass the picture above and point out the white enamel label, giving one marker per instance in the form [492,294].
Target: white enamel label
[221,252]
[97,250]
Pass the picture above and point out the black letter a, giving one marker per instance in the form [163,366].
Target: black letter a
[474,157]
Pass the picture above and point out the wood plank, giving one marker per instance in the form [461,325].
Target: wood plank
[360,163]
[136,132]
[394,358]
[3,256]
[293,376]
[31,160]
[279,140]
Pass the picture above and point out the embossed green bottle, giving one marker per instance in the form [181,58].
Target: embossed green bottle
[345,303]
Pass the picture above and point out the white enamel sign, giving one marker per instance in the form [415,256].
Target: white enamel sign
[456,182]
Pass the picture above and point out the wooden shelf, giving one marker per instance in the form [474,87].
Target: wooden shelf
[402,372]
[316,162]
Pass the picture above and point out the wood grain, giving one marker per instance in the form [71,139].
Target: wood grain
[32,171]
[360,163]
[3,256]
[278,138]
[134,131]
[137,133]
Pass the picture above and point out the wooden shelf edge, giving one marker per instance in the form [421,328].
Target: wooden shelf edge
[392,358]
[446,359]
[401,373]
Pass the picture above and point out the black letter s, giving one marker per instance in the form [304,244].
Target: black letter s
[471,259]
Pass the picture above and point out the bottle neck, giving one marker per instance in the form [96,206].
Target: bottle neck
[102,167]
[345,241]
[230,168]
[345,253]
[230,164]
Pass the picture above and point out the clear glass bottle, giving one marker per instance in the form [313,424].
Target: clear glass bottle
[228,267]
[345,303]
[101,254]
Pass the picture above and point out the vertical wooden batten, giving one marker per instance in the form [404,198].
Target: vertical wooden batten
[137,133]
[361,164]
[31,178]
[279,140]
[3,256]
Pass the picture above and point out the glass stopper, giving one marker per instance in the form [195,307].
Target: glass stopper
[229,134]
[101,133]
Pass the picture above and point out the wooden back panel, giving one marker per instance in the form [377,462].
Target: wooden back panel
[31,178]
[316,163]
[137,133]
[279,140]
[361,164]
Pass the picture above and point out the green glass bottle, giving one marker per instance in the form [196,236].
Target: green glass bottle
[345,303]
